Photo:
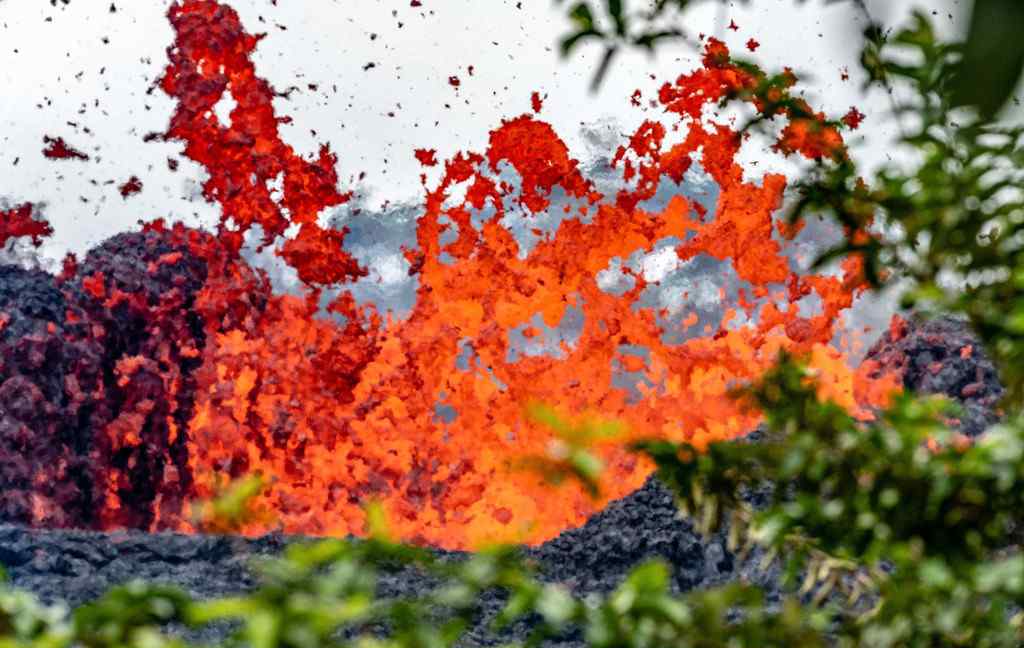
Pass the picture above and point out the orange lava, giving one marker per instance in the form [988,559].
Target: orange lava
[334,416]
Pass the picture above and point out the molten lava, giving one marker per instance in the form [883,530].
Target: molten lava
[18,222]
[211,377]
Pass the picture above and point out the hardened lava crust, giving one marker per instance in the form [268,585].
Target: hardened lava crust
[77,566]
[47,384]
[134,295]
[942,356]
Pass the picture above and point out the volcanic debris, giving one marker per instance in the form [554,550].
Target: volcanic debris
[45,381]
[95,370]
[942,356]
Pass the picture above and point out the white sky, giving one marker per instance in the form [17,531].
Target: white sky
[84,64]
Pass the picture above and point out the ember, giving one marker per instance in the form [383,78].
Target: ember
[130,187]
[199,374]
[58,149]
[18,222]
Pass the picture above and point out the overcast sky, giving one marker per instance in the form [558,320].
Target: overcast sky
[82,71]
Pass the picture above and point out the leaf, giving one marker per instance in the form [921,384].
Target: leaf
[377,521]
[233,506]
[568,44]
[548,417]
[263,629]
[615,11]
[602,68]
[556,605]
[582,16]
[649,39]
[651,576]
[993,56]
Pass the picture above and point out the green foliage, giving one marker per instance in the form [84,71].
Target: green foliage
[569,456]
[325,594]
[231,509]
[129,616]
[618,34]
[24,620]
[993,56]
[610,23]
[987,75]
[897,515]
[953,224]
[874,513]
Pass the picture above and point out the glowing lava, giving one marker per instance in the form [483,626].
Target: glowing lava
[18,222]
[209,377]
[334,417]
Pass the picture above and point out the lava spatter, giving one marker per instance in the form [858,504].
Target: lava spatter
[246,157]
[18,222]
[209,376]
[130,187]
[57,149]
[334,417]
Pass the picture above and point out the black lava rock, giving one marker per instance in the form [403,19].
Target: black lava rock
[78,566]
[134,295]
[943,356]
[45,380]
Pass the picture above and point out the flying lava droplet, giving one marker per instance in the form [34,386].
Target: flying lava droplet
[58,149]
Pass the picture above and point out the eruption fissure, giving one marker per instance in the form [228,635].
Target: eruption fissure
[200,374]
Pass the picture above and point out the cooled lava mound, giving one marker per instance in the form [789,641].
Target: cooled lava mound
[47,387]
[134,295]
[942,356]
[97,379]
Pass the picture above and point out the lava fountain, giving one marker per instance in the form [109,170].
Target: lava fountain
[208,376]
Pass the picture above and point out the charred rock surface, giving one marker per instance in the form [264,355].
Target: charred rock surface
[78,566]
[643,526]
[135,294]
[44,405]
[943,356]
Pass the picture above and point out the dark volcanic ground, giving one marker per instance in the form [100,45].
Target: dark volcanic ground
[76,566]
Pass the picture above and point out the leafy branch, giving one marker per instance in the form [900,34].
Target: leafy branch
[987,75]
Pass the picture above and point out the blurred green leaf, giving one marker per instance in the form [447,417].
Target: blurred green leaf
[582,16]
[569,455]
[993,56]
[232,508]
[615,11]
